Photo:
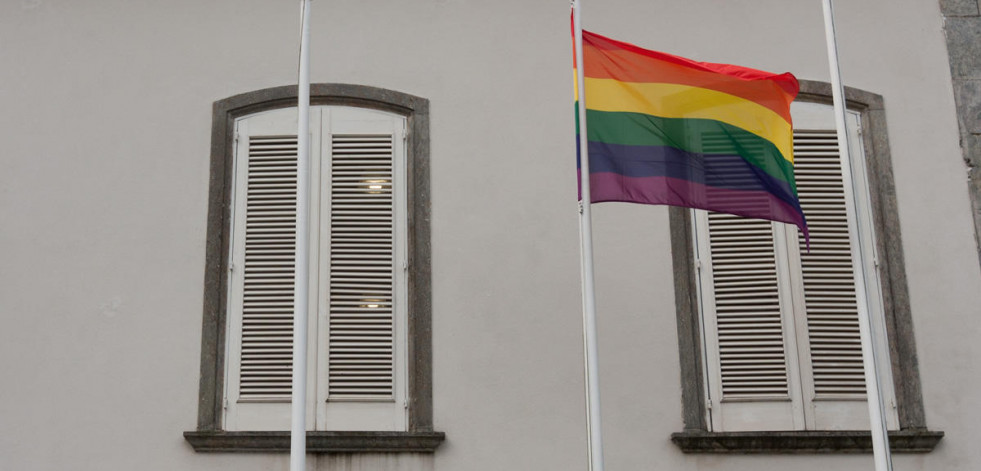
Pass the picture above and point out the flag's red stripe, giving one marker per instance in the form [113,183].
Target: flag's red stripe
[625,67]
[607,58]
[786,80]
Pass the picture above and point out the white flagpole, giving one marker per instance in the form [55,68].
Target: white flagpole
[593,426]
[301,274]
[880,437]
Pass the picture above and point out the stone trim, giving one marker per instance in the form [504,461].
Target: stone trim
[955,8]
[224,114]
[962,29]
[689,333]
[917,441]
[317,442]
[896,304]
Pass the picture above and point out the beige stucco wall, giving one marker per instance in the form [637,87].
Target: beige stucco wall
[105,114]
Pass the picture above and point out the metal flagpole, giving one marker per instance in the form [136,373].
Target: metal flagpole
[301,274]
[880,438]
[593,426]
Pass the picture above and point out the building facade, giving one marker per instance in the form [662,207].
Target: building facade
[147,223]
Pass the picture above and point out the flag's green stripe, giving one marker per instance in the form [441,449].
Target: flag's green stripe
[703,136]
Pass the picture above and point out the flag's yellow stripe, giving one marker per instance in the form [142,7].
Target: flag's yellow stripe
[669,100]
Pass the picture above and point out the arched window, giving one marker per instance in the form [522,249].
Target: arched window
[769,332]
[369,377]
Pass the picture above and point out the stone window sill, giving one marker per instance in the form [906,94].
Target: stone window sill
[317,442]
[903,441]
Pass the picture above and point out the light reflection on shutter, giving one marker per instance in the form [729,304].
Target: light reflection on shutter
[270,237]
[361,317]
[829,289]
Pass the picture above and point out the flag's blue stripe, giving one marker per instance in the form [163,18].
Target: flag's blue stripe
[718,171]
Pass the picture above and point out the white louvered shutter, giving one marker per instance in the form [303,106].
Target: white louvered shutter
[259,359]
[834,346]
[358,287]
[808,297]
[831,348]
[270,238]
[747,308]
[745,291]
[363,189]
[361,316]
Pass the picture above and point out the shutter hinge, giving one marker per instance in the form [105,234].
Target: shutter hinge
[708,404]
[580,206]
[231,267]
[405,132]
[405,265]
[237,134]
[859,128]
[698,264]
[224,403]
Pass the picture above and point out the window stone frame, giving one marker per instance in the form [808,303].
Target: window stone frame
[913,435]
[419,437]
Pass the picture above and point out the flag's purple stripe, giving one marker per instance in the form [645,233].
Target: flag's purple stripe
[716,171]
[679,192]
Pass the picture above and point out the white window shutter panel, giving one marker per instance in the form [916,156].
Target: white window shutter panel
[827,271]
[362,260]
[832,353]
[270,238]
[259,361]
[751,386]
[752,356]
[832,369]
[361,312]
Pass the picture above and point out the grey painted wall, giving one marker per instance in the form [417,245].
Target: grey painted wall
[105,128]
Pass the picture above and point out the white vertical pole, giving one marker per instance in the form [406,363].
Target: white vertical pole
[301,274]
[593,426]
[880,437]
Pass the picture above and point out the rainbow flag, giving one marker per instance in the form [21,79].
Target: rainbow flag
[663,129]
